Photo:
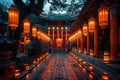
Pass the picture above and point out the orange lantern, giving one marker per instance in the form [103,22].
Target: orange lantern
[26,24]
[103,16]
[34,31]
[85,29]
[91,25]
[91,67]
[17,73]
[38,34]
[106,57]
[13,18]
[105,76]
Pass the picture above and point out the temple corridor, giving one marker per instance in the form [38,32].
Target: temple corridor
[59,39]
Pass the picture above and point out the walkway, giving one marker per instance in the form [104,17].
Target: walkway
[59,66]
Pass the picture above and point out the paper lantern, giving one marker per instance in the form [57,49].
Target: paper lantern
[34,31]
[26,25]
[103,13]
[13,17]
[17,73]
[105,76]
[106,57]
[91,68]
[85,28]
[91,25]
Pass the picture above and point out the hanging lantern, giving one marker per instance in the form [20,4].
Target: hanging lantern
[38,34]
[103,16]
[85,29]
[91,25]
[13,17]
[105,76]
[34,31]
[26,24]
[17,73]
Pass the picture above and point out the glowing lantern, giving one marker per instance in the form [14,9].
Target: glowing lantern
[91,67]
[26,24]
[38,59]
[34,62]
[34,31]
[91,52]
[85,29]
[103,16]
[84,62]
[38,34]
[91,24]
[27,67]
[105,76]
[13,18]
[106,57]
[17,73]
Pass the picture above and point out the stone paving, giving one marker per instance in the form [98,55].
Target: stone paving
[59,66]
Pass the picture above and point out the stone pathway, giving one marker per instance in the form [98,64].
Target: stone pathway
[59,66]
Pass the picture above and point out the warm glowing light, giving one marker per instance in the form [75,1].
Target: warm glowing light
[103,16]
[34,31]
[26,25]
[85,28]
[91,67]
[106,57]
[105,76]
[34,62]
[91,52]
[66,28]
[17,73]
[48,28]
[27,67]
[38,34]
[53,27]
[85,51]
[84,62]
[80,59]
[76,35]
[91,25]
[13,17]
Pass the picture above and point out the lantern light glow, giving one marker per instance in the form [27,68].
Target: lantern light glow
[26,25]
[91,25]
[13,18]
[103,16]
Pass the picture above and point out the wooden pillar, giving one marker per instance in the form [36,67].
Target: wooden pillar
[88,42]
[114,27]
[82,43]
[96,41]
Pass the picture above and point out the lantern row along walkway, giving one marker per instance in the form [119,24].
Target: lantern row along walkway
[59,66]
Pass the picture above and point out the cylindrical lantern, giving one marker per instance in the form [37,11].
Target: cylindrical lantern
[85,28]
[105,76]
[34,31]
[103,16]
[26,24]
[17,73]
[38,34]
[13,18]
[91,25]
